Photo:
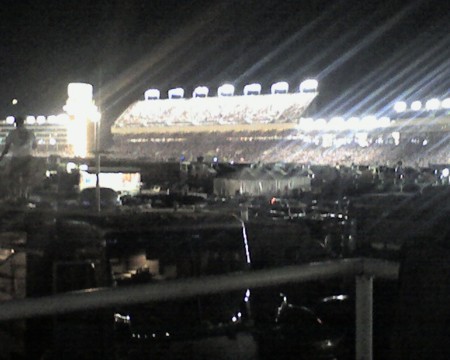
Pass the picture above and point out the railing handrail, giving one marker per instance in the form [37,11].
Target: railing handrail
[106,297]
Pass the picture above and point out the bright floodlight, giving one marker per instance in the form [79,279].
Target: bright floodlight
[353,122]
[416,105]
[337,123]
[369,122]
[30,119]
[51,119]
[40,119]
[225,90]
[152,94]
[320,124]
[10,120]
[446,103]
[252,89]
[400,106]
[309,85]
[200,91]
[176,93]
[281,87]
[433,104]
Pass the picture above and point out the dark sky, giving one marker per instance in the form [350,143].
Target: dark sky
[365,54]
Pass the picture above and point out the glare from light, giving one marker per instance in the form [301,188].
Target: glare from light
[445,172]
[281,87]
[14,101]
[416,105]
[152,94]
[84,167]
[400,106]
[252,89]
[445,104]
[200,91]
[77,136]
[52,141]
[433,104]
[10,120]
[309,85]
[80,109]
[176,93]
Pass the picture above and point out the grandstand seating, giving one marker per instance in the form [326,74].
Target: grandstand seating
[278,108]
[268,128]
[285,146]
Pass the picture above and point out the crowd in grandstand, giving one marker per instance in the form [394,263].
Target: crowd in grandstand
[213,111]
[272,128]
[273,146]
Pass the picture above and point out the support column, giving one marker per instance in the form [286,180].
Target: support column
[364,320]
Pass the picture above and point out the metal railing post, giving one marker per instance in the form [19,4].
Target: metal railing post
[364,313]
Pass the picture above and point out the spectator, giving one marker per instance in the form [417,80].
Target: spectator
[21,142]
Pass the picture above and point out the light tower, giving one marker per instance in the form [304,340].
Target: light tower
[83,126]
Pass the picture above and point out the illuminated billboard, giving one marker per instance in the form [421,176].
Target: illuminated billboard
[126,182]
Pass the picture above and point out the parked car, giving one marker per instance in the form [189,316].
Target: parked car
[109,198]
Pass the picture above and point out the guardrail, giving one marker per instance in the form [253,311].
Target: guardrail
[364,270]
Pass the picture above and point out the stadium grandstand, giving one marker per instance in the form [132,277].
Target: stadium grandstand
[52,133]
[273,128]
[249,128]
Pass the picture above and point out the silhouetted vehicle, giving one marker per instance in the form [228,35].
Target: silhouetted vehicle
[109,198]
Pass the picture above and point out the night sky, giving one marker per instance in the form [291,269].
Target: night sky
[365,54]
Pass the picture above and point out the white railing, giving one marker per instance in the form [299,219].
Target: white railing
[364,270]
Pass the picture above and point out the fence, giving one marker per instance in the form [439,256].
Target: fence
[364,270]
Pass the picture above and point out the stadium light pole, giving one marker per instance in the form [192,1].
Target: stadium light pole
[96,120]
